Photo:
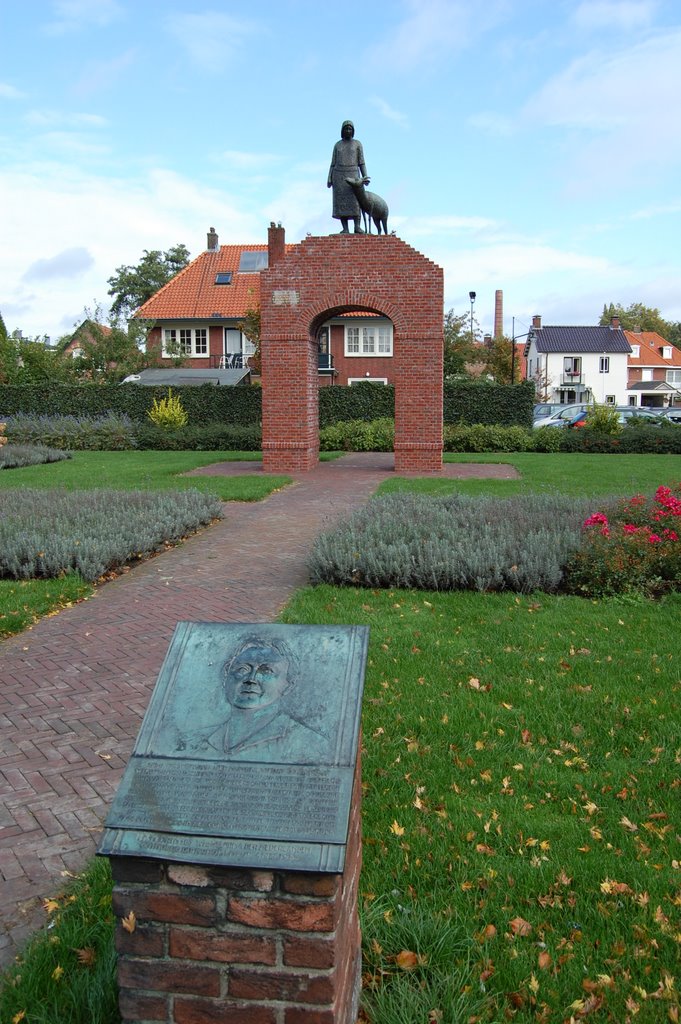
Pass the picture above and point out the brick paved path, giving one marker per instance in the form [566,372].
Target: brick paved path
[74,688]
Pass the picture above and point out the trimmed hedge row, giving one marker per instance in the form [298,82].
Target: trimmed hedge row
[464,402]
[205,404]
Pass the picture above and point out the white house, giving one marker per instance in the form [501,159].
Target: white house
[578,364]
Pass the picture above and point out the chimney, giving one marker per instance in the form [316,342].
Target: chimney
[498,313]
[536,322]
[614,323]
[637,329]
[276,244]
[212,243]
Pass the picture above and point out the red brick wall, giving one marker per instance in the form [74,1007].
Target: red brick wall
[321,278]
[213,944]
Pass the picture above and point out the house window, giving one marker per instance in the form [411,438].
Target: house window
[185,341]
[369,340]
[635,351]
[610,400]
[604,364]
[572,366]
[632,400]
[667,352]
[673,376]
[367,380]
[225,278]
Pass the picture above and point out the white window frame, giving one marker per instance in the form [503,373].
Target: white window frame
[610,400]
[190,342]
[367,380]
[673,376]
[369,340]
[635,351]
[604,364]
[667,352]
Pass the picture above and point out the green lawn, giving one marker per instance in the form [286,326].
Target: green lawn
[568,473]
[522,804]
[23,602]
[147,471]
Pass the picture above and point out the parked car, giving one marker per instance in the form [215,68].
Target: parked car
[671,415]
[561,418]
[543,409]
[625,414]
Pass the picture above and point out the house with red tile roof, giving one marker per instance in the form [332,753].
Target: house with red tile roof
[89,331]
[199,316]
[654,370]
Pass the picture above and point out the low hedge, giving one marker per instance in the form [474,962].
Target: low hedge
[16,456]
[632,440]
[212,437]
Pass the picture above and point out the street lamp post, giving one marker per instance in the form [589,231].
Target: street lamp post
[471,296]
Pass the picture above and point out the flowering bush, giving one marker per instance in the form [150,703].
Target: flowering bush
[632,546]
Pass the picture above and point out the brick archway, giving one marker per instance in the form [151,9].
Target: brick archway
[320,278]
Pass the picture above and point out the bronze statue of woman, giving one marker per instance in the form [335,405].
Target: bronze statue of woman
[347,161]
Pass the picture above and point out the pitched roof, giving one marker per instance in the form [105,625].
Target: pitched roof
[176,376]
[579,339]
[651,346]
[193,294]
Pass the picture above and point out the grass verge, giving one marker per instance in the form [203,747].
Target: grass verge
[126,471]
[522,772]
[67,974]
[24,602]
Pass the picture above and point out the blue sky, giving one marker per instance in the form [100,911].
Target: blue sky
[523,145]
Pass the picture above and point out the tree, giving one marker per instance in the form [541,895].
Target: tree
[132,286]
[647,318]
[498,359]
[250,326]
[31,361]
[458,351]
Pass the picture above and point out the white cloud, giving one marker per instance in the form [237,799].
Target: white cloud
[432,30]
[389,112]
[243,161]
[65,264]
[113,220]
[620,110]
[492,124]
[74,15]
[102,74]
[58,118]
[211,38]
[623,15]
[8,92]
[659,210]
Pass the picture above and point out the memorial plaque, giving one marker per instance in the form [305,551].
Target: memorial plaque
[246,754]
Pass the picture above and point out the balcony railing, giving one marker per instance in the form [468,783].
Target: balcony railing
[571,379]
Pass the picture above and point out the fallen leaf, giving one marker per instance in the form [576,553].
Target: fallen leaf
[50,906]
[519,926]
[129,922]
[396,829]
[57,973]
[544,961]
[406,960]
[86,956]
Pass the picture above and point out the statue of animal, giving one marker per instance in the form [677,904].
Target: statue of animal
[372,206]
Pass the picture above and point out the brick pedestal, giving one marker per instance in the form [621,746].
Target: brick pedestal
[237,945]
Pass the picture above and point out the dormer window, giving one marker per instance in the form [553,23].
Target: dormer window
[635,351]
[667,352]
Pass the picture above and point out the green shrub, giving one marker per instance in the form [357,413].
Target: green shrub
[633,545]
[14,456]
[168,413]
[45,533]
[642,439]
[111,432]
[212,437]
[603,419]
[452,543]
[359,436]
[486,438]
[547,439]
